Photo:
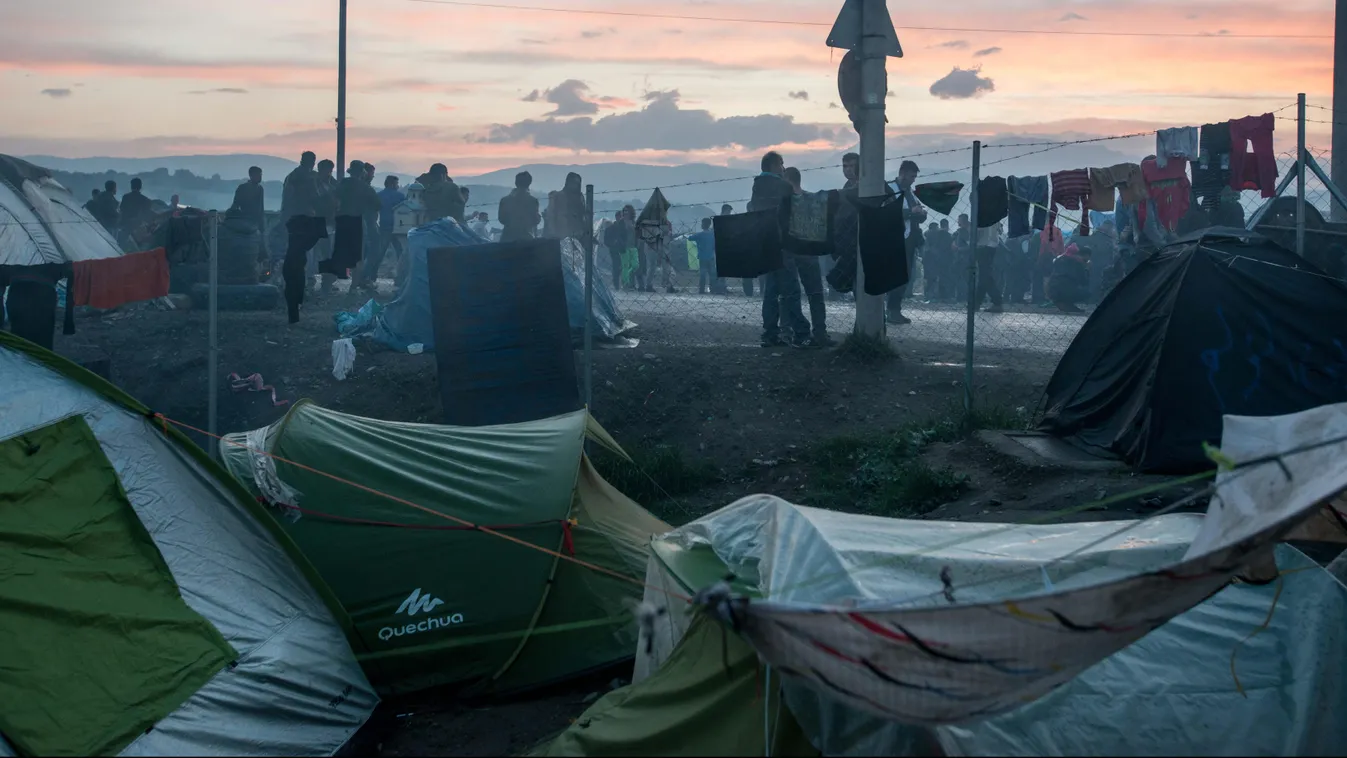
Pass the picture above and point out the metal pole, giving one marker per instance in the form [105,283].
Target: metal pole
[341,92]
[1300,175]
[870,308]
[1339,167]
[589,295]
[972,280]
[213,353]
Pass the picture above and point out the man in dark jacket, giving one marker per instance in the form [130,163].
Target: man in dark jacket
[105,207]
[619,238]
[356,200]
[518,211]
[780,288]
[136,210]
[249,199]
[442,198]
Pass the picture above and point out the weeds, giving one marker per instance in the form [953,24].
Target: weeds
[656,475]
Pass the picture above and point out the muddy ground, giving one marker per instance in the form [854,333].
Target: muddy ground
[708,423]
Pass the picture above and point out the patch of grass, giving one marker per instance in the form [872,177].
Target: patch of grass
[655,476]
[866,349]
[883,476]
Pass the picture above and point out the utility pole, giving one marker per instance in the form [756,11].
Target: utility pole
[1338,167]
[874,86]
[341,92]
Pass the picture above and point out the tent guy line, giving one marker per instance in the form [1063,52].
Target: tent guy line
[468,524]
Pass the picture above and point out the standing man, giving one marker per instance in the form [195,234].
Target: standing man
[251,204]
[304,226]
[811,280]
[136,210]
[390,197]
[298,198]
[618,237]
[105,207]
[780,288]
[988,239]
[518,211]
[327,208]
[705,240]
[565,215]
[912,236]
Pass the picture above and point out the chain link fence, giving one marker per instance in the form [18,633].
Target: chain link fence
[1027,335]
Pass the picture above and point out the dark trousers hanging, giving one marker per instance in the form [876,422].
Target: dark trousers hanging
[32,312]
[987,285]
[303,232]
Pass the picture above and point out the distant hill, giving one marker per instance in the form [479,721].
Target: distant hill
[229,167]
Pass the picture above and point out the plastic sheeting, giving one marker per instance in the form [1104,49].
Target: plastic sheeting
[406,320]
[296,689]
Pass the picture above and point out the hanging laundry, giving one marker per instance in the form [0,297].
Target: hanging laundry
[111,282]
[1071,190]
[347,247]
[940,197]
[1169,190]
[882,246]
[1179,142]
[748,245]
[993,201]
[809,225]
[1256,169]
[1102,190]
[1025,192]
[1211,171]
[1105,183]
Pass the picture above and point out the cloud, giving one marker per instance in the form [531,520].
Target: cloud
[834,106]
[954,44]
[533,42]
[596,33]
[986,51]
[573,98]
[1072,16]
[220,91]
[57,93]
[801,95]
[660,125]
[961,84]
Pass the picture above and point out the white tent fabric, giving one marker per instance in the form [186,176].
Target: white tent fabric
[41,222]
[876,621]
[296,688]
[984,643]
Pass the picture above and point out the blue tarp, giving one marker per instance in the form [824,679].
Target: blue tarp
[406,320]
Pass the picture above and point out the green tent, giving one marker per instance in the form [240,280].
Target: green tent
[148,605]
[387,514]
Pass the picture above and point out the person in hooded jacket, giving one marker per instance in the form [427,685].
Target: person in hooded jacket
[565,216]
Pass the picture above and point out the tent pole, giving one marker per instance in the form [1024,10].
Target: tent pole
[589,296]
[1300,175]
[213,358]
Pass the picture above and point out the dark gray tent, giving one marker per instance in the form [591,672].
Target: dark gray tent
[1222,322]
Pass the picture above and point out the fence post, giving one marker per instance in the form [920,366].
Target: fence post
[589,295]
[213,351]
[1300,175]
[972,283]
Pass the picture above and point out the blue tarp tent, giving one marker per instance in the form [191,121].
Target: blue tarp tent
[406,319]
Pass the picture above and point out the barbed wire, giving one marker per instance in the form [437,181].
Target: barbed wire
[789,22]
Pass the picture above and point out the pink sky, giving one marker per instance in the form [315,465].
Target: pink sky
[431,82]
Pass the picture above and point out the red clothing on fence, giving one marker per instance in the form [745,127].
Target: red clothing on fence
[1169,189]
[110,282]
[1071,190]
[1256,169]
